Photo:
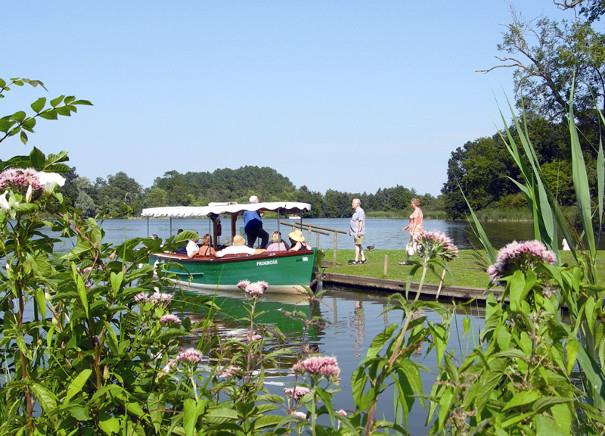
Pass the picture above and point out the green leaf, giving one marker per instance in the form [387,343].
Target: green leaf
[64,111]
[155,406]
[546,426]
[5,124]
[379,341]
[221,414]
[37,158]
[186,235]
[571,347]
[600,182]
[466,325]
[23,346]
[444,407]
[490,251]
[77,384]
[80,413]
[135,409]
[110,426]
[563,417]
[580,180]
[57,100]
[359,380]
[38,105]
[267,421]
[591,314]
[516,288]
[521,399]
[23,137]
[41,302]
[81,287]
[19,116]
[190,415]
[49,114]
[116,282]
[46,398]
[592,372]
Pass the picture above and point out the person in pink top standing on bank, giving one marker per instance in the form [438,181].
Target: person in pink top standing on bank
[415,227]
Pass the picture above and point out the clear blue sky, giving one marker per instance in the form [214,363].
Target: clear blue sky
[349,95]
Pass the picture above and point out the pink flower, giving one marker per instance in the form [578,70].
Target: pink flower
[522,256]
[170,365]
[255,290]
[342,412]
[170,319]
[297,392]
[243,284]
[20,179]
[299,415]
[253,336]
[160,298]
[190,355]
[436,244]
[141,297]
[229,372]
[318,365]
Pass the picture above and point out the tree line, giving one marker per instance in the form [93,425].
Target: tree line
[550,61]
[120,195]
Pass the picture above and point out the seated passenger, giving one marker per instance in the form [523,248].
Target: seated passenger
[297,239]
[192,248]
[206,248]
[238,247]
[277,243]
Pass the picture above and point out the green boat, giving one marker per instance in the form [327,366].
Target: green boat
[287,272]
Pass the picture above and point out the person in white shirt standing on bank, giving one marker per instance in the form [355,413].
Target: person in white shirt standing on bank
[357,230]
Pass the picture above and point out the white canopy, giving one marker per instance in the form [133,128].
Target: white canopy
[219,208]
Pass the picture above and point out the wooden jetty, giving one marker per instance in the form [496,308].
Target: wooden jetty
[429,291]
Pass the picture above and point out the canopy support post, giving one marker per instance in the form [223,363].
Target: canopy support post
[233,225]
[170,226]
[148,227]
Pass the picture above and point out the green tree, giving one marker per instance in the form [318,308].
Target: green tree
[547,57]
[118,196]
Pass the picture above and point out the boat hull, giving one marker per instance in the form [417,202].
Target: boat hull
[289,272]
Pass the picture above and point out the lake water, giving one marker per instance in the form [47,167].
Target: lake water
[382,233]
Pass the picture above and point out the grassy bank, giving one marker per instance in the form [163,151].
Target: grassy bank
[464,270]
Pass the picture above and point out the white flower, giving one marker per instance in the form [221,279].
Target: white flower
[28,194]
[50,180]
[4,204]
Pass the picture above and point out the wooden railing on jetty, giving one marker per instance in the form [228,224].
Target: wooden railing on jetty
[319,230]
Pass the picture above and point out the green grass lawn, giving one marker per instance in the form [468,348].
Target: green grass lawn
[464,270]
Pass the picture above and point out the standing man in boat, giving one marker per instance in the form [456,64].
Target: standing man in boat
[357,230]
[253,226]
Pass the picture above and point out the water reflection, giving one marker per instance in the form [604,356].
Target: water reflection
[345,323]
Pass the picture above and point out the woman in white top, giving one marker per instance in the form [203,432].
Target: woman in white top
[415,227]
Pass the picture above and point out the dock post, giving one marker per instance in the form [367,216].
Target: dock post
[317,240]
[385,268]
[334,246]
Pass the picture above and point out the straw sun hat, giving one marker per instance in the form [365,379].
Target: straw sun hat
[238,240]
[297,235]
